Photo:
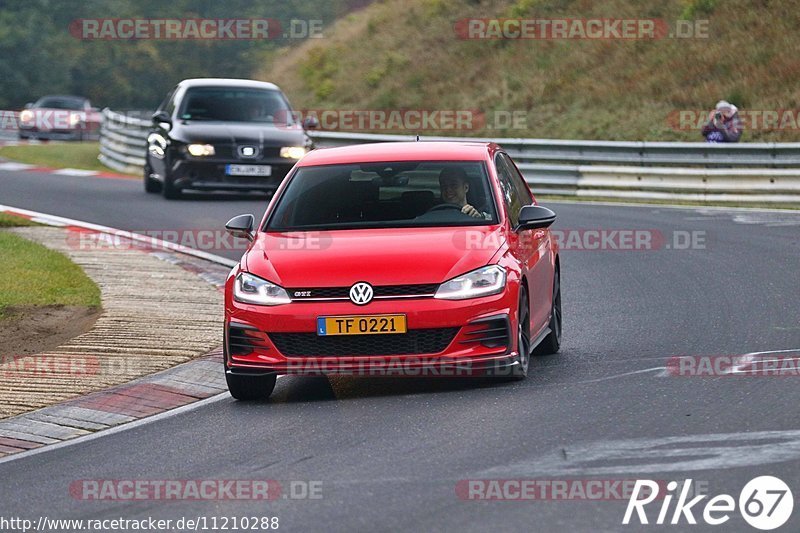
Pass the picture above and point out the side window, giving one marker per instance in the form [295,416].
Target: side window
[511,197]
[168,104]
[518,181]
[171,104]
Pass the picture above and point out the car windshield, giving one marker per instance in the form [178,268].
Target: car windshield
[385,195]
[234,104]
[58,102]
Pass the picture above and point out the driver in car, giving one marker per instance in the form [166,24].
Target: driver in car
[454,186]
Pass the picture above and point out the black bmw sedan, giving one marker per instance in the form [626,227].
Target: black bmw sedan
[223,134]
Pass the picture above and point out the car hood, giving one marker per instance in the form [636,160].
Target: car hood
[56,110]
[237,133]
[377,256]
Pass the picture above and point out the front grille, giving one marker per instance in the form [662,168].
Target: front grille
[322,292]
[381,291]
[231,151]
[415,341]
[405,290]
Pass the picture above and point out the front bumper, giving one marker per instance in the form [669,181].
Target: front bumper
[54,135]
[471,338]
[210,174]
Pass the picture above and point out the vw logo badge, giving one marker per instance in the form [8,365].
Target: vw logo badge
[361,293]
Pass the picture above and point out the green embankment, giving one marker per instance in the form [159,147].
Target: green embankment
[405,54]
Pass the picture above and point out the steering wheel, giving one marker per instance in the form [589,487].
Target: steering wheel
[442,207]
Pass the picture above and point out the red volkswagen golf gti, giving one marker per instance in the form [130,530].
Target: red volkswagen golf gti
[412,259]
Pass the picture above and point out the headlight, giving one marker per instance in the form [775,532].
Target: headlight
[253,290]
[74,119]
[481,282]
[26,116]
[293,152]
[200,150]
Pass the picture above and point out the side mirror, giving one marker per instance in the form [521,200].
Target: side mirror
[310,123]
[162,117]
[535,217]
[28,105]
[241,226]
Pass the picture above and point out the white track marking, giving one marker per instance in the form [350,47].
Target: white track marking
[62,221]
[47,222]
[616,376]
[774,351]
[661,454]
[75,172]
[10,165]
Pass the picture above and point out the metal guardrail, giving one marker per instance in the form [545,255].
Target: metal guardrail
[620,152]
[743,172]
[123,141]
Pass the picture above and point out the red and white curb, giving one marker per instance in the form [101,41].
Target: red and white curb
[13,166]
[179,386]
[142,399]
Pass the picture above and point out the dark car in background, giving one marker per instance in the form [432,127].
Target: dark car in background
[60,117]
[223,134]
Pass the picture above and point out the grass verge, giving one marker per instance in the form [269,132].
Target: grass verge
[13,221]
[32,275]
[80,155]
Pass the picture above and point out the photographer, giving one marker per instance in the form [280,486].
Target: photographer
[724,124]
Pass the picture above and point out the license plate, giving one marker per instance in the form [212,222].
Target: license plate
[361,325]
[248,170]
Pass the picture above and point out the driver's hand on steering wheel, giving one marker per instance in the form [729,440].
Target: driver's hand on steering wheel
[471,211]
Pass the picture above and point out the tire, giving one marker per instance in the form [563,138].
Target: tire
[150,185]
[23,136]
[249,388]
[520,371]
[168,188]
[552,343]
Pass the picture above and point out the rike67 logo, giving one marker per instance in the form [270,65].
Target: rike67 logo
[765,502]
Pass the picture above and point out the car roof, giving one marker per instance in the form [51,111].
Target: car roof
[400,151]
[64,97]
[228,82]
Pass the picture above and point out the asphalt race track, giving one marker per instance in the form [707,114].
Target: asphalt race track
[390,453]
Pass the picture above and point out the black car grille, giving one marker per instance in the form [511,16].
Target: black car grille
[385,291]
[405,290]
[418,341]
[231,151]
[243,340]
[491,333]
